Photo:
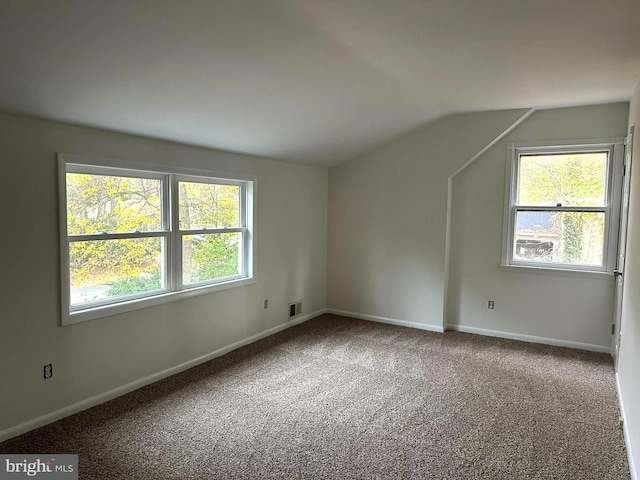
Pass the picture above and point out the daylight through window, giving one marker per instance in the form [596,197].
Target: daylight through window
[131,237]
[561,210]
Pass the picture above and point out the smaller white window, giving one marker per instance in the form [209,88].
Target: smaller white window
[562,206]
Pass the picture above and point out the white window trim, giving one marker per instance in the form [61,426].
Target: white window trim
[172,292]
[612,209]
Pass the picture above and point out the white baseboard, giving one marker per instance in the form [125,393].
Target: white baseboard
[478,331]
[531,338]
[627,442]
[136,384]
[391,321]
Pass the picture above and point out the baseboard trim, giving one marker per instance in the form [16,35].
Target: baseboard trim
[625,431]
[391,321]
[530,338]
[474,330]
[136,384]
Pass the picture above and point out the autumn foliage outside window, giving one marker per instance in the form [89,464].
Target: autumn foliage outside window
[561,207]
[133,234]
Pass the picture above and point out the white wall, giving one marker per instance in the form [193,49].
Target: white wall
[387,221]
[566,308]
[629,355]
[387,218]
[96,356]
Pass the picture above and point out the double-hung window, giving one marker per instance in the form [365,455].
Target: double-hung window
[562,206]
[134,237]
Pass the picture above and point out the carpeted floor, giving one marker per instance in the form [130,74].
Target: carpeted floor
[349,399]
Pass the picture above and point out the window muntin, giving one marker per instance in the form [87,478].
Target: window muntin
[560,209]
[127,241]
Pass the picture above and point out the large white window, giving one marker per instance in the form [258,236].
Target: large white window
[132,237]
[562,206]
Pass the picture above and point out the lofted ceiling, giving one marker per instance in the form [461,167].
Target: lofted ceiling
[307,81]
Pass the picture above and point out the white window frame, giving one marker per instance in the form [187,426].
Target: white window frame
[169,232]
[611,209]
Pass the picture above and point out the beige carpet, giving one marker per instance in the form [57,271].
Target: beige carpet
[349,399]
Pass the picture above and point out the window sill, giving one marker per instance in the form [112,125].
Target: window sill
[557,271]
[138,303]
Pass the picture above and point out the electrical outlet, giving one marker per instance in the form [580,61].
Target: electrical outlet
[48,371]
[491,305]
[266,304]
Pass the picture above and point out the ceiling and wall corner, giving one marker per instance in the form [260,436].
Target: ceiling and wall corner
[388,214]
[307,81]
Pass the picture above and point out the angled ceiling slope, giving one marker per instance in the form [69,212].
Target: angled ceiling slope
[309,81]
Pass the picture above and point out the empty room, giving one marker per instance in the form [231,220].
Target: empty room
[320,239]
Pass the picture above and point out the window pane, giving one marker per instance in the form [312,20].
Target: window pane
[574,238]
[210,256]
[569,179]
[208,205]
[111,204]
[113,268]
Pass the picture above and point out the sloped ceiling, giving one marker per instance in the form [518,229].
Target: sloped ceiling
[308,81]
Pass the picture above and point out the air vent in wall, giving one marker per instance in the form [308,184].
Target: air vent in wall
[295,309]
